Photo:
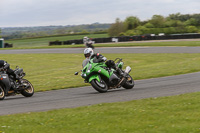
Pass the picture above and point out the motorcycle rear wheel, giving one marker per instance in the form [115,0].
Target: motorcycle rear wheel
[99,86]
[2,93]
[129,84]
[28,92]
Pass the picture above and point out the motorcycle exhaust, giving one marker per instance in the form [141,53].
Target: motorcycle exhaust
[122,81]
[128,69]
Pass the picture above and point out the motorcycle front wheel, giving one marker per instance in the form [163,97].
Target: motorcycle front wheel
[28,90]
[99,86]
[129,84]
[2,93]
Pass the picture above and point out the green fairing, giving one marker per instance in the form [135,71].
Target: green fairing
[120,65]
[94,77]
[102,71]
[97,69]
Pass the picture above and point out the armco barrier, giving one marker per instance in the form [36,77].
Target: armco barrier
[102,40]
[55,43]
[130,38]
[8,45]
[70,42]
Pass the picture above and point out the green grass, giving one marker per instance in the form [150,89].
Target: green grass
[136,44]
[44,42]
[175,114]
[147,43]
[56,71]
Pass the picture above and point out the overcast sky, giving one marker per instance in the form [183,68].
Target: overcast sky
[22,13]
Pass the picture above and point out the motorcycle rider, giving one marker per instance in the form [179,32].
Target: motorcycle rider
[89,54]
[5,66]
[88,42]
[85,40]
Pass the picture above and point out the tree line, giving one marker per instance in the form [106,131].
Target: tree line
[132,25]
[172,24]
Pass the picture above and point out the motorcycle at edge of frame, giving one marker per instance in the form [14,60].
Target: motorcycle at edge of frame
[11,87]
[103,78]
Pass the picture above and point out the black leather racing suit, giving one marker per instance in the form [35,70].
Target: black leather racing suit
[97,58]
[110,63]
[4,65]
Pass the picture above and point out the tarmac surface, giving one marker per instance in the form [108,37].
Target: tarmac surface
[84,96]
[108,50]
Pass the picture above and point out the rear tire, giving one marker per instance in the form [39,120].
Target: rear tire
[99,86]
[28,92]
[129,84]
[2,93]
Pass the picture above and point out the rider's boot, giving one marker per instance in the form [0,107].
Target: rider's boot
[119,71]
[18,81]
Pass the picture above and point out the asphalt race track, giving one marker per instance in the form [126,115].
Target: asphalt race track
[83,96]
[108,50]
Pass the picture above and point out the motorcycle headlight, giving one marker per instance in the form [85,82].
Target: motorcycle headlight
[83,75]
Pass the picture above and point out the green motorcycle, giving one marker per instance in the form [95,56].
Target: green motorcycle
[102,77]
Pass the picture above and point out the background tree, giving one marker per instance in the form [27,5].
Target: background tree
[116,28]
[192,29]
[191,21]
[174,16]
[157,21]
[149,25]
[131,22]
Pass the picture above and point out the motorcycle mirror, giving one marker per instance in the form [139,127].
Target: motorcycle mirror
[76,73]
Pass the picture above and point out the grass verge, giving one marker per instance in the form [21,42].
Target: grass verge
[56,71]
[44,42]
[175,114]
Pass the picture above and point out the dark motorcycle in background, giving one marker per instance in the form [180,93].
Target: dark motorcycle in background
[89,44]
[10,87]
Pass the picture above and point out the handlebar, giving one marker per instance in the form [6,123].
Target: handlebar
[119,60]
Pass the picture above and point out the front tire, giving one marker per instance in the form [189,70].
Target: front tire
[29,91]
[2,93]
[99,86]
[129,84]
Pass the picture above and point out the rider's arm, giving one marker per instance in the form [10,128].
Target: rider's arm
[103,58]
[99,57]
[6,66]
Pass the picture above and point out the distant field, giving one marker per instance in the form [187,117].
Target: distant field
[44,42]
[41,42]
[24,44]
[188,43]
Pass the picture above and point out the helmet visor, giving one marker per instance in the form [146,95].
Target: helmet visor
[87,55]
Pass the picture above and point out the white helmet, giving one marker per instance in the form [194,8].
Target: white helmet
[88,52]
